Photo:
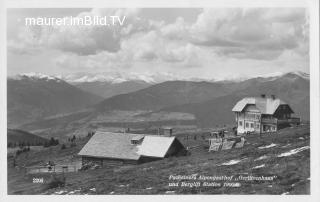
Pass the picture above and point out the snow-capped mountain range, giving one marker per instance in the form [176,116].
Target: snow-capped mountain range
[36,75]
[116,77]
[33,96]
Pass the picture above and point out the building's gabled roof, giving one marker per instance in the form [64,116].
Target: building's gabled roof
[155,146]
[118,146]
[111,145]
[264,105]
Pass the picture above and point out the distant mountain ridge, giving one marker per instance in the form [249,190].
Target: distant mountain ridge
[118,77]
[159,77]
[109,85]
[292,88]
[211,103]
[35,76]
[35,96]
[164,94]
[108,89]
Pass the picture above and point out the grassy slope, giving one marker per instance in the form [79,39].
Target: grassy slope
[19,183]
[80,123]
[16,136]
[292,172]
[34,99]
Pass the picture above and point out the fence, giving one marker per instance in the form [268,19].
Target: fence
[194,147]
[52,169]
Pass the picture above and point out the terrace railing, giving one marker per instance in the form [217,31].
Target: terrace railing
[292,120]
[269,120]
[53,169]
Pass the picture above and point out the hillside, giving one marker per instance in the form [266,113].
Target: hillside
[15,136]
[284,156]
[163,95]
[33,97]
[211,103]
[291,88]
[162,104]
[210,113]
[109,89]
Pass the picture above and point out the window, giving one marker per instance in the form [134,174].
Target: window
[247,125]
[257,126]
[252,125]
[240,123]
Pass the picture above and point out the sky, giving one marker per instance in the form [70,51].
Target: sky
[182,43]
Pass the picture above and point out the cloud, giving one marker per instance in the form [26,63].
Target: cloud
[81,40]
[250,32]
[256,34]
[139,48]
[245,30]
[176,30]
[216,38]
[284,14]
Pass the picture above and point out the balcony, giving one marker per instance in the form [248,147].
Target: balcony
[292,120]
[269,120]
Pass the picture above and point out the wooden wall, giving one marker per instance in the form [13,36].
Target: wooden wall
[107,162]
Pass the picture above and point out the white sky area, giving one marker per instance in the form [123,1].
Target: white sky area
[219,43]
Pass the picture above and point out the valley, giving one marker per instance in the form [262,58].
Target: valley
[177,104]
[193,109]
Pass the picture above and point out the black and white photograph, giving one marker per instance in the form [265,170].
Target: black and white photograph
[160,100]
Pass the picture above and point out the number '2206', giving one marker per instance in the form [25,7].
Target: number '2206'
[37,180]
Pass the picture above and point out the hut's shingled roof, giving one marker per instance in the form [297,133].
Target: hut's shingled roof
[111,145]
[118,146]
[155,146]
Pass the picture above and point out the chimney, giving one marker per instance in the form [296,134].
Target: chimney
[273,97]
[263,95]
[168,131]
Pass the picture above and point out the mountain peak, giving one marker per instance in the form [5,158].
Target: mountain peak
[36,76]
[117,78]
[112,77]
[299,74]
[120,77]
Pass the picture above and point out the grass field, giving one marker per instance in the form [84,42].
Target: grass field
[284,157]
[80,123]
